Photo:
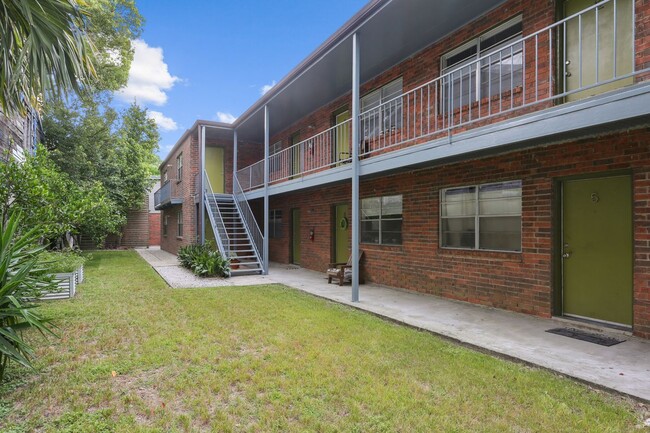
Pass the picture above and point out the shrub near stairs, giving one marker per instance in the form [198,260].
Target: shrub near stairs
[204,260]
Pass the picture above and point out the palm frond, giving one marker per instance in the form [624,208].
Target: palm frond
[43,49]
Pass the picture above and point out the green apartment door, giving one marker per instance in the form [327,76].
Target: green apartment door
[215,168]
[597,249]
[295,236]
[341,226]
[342,149]
[583,51]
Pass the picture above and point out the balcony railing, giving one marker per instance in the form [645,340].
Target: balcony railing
[589,52]
[167,195]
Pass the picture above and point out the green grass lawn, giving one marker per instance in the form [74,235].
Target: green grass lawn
[270,358]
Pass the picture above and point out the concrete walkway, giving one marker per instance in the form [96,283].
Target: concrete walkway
[624,368]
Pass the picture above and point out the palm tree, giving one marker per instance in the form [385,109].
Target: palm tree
[43,49]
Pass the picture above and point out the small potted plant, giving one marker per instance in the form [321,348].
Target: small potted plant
[234,262]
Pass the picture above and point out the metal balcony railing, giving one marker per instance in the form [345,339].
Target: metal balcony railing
[167,195]
[584,54]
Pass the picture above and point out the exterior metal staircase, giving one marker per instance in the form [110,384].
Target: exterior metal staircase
[232,233]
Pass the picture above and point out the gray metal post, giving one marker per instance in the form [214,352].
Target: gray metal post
[266,189]
[234,158]
[200,186]
[355,168]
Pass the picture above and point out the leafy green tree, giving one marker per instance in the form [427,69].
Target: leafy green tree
[115,149]
[50,200]
[137,141]
[44,51]
[113,24]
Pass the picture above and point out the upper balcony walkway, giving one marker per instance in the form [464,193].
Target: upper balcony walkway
[169,194]
[578,70]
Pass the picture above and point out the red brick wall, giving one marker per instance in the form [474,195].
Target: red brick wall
[182,188]
[154,229]
[519,282]
[642,32]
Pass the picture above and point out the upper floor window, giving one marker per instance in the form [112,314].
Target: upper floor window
[179,167]
[381,220]
[382,110]
[482,217]
[165,176]
[499,70]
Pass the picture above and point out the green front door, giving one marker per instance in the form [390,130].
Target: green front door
[295,236]
[215,169]
[341,226]
[597,249]
[342,149]
[590,54]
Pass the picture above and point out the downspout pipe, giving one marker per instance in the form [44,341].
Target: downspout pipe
[201,181]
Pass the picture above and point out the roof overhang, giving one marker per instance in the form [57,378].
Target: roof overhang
[213,131]
[389,32]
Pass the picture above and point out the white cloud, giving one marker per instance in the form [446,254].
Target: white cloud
[165,123]
[265,88]
[149,77]
[225,117]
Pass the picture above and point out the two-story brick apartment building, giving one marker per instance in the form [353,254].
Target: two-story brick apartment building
[495,152]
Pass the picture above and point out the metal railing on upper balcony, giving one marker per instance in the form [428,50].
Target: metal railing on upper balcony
[322,151]
[251,177]
[167,195]
[586,53]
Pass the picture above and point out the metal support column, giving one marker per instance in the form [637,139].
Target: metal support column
[266,190]
[234,157]
[200,187]
[355,168]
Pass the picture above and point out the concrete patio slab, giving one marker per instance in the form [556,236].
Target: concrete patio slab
[166,264]
[624,368]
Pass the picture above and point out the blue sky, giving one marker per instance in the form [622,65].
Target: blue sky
[211,59]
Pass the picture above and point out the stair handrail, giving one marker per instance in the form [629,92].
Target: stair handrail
[247,217]
[222,238]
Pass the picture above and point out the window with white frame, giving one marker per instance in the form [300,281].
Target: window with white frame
[499,70]
[179,167]
[381,110]
[275,223]
[165,176]
[381,220]
[179,221]
[482,217]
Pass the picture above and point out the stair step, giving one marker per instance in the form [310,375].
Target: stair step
[236,272]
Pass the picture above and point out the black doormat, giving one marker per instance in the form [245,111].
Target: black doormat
[586,336]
